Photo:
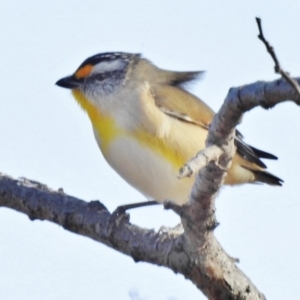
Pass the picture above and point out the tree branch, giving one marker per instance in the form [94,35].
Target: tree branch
[198,216]
[194,252]
[278,69]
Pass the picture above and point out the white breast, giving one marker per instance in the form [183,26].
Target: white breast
[147,171]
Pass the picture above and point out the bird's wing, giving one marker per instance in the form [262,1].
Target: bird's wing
[182,105]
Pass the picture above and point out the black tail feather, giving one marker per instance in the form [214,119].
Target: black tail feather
[263,154]
[265,177]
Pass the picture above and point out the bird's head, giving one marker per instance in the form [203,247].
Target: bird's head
[101,74]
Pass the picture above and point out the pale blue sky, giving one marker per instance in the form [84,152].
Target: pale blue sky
[46,137]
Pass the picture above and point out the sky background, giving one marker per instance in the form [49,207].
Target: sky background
[46,137]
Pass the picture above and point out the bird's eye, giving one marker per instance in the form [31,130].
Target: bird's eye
[101,76]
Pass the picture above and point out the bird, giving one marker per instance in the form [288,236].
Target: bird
[148,125]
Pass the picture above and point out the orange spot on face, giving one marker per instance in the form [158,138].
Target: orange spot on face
[84,71]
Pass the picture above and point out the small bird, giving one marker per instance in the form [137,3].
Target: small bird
[147,125]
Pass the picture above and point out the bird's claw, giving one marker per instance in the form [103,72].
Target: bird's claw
[118,216]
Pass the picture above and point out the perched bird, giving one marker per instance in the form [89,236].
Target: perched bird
[148,125]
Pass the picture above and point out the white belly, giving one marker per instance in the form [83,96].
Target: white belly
[147,171]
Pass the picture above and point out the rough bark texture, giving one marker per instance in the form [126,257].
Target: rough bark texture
[192,249]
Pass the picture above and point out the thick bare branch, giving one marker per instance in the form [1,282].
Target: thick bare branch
[90,219]
[171,248]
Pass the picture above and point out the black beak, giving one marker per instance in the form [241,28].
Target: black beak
[70,82]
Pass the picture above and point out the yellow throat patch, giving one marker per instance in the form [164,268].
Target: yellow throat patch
[104,125]
[107,130]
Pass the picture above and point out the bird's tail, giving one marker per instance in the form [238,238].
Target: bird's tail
[265,177]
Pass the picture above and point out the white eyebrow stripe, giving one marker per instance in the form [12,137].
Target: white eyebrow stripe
[108,66]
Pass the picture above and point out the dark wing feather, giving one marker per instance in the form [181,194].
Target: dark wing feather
[250,152]
[263,154]
[246,152]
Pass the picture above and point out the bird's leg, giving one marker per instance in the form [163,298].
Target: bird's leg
[121,209]
[120,213]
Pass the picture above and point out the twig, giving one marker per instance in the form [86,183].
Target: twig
[200,160]
[278,69]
